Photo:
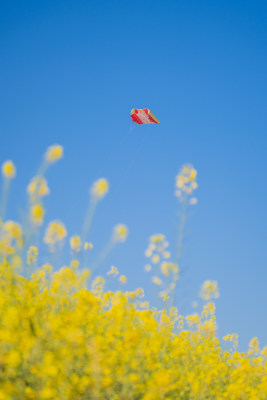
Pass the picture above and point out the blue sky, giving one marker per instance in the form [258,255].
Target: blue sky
[70,73]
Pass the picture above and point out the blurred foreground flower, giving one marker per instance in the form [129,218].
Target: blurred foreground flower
[75,243]
[37,214]
[55,233]
[54,153]
[99,188]
[186,184]
[37,188]
[62,338]
[8,170]
[120,233]
[209,290]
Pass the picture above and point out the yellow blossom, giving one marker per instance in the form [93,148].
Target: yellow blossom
[120,233]
[32,255]
[99,188]
[12,232]
[209,290]
[55,233]
[38,188]
[193,201]
[37,214]
[75,243]
[157,238]
[113,271]
[123,279]
[54,153]
[156,280]
[167,267]
[88,246]
[8,170]
[155,259]
[186,184]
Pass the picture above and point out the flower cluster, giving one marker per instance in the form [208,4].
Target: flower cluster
[186,184]
[60,339]
[65,336]
[167,272]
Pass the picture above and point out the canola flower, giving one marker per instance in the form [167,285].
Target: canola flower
[37,188]
[37,214]
[60,339]
[186,184]
[75,243]
[159,257]
[209,290]
[88,246]
[65,335]
[55,233]
[54,153]
[99,189]
[8,170]
[120,233]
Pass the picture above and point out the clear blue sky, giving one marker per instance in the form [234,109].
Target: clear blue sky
[70,73]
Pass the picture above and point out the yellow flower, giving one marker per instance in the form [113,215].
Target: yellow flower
[99,188]
[157,238]
[186,184]
[193,319]
[55,233]
[74,264]
[193,201]
[209,290]
[155,259]
[123,279]
[12,231]
[8,170]
[164,296]
[166,254]
[54,153]
[254,346]
[38,188]
[32,255]
[120,233]
[166,267]
[113,271]
[37,214]
[156,280]
[88,246]
[75,243]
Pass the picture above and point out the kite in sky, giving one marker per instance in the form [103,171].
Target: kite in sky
[143,116]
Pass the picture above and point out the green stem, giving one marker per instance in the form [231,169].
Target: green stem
[4,198]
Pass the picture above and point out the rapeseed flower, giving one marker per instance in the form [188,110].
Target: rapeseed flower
[99,188]
[209,290]
[37,214]
[54,153]
[37,188]
[55,233]
[123,279]
[8,169]
[120,233]
[75,243]
[88,246]
[64,337]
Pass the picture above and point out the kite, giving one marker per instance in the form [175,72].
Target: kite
[143,116]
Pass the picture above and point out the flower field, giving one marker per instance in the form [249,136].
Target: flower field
[64,335]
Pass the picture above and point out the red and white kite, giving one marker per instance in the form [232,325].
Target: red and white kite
[143,116]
